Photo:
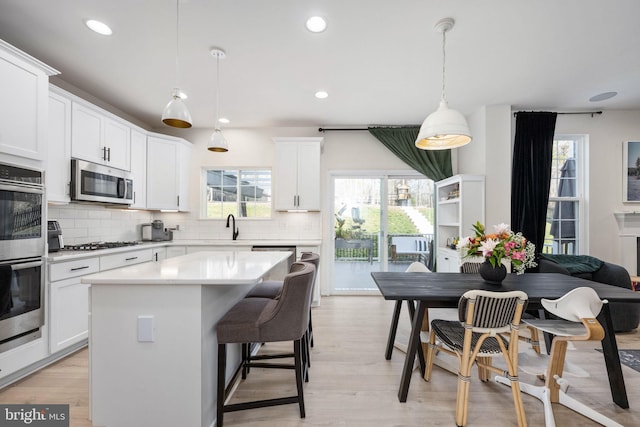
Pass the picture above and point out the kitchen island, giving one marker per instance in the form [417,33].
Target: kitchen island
[152,336]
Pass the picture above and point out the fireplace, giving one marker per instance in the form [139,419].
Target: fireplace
[629,238]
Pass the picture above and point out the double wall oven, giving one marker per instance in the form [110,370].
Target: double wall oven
[22,241]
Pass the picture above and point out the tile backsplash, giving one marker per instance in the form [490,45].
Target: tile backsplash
[82,223]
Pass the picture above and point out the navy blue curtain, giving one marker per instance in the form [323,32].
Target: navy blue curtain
[531,174]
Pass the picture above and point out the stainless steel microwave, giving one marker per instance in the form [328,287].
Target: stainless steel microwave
[92,182]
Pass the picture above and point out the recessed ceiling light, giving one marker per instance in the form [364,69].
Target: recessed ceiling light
[321,94]
[316,24]
[223,120]
[99,27]
[603,96]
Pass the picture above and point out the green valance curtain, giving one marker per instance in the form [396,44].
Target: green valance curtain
[435,165]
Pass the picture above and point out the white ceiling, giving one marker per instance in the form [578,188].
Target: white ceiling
[380,60]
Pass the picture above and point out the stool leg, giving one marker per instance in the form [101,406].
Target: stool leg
[246,354]
[297,350]
[310,328]
[222,367]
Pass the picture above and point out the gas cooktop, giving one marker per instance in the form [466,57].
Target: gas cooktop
[92,246]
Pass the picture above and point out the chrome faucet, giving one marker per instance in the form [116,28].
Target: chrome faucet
[235,230]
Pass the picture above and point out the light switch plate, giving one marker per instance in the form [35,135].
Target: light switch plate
[145,329]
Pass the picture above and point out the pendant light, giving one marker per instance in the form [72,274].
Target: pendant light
[217,141]
[444,128]
[176,113]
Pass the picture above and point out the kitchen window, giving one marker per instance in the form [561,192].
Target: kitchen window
[245,193]
[565,231]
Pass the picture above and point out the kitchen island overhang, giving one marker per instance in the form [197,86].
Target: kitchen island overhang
[152,336]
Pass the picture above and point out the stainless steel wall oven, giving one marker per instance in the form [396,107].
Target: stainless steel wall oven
[22,243]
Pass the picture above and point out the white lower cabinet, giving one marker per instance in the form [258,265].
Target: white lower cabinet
[174,251]
[122,259]
[69,299]
[158,254]
[217,248]
[448,261]
[69,321]
[69,302]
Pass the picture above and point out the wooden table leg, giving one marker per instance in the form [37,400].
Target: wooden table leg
[393,329]
[412,348]
[612,359]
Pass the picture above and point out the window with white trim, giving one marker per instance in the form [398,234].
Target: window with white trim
[565,211]
[245,193]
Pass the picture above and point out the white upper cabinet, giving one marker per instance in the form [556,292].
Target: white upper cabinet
[24,104]
[139,168]
[167,173]
[98,138]
[297,174]
[58,162]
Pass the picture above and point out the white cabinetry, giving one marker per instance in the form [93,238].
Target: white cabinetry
[168,161]
[69,302]
[460,203]
[69,299]
[174,251]
[97,137]
[58,162]
[139,168]
[217,248]
[158,254]
[297,174]
[122,259]
[25,89]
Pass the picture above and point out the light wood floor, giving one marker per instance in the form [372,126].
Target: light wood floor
[351,384]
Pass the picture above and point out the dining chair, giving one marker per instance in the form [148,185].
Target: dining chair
[532,338]
[268,320]
[414,267]
[477,337]
[577,311]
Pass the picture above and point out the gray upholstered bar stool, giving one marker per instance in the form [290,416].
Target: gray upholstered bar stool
[268,320]
[273,288]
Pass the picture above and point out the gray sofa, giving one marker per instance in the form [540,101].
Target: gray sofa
[625,316]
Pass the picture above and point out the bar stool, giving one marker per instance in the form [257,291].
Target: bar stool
[268,320]
[272,289]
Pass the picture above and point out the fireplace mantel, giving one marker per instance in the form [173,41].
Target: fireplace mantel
[629,226]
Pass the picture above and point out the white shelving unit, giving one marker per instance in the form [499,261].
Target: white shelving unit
[460,203]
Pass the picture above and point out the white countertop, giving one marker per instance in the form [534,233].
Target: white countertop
[203,268]
[71,255]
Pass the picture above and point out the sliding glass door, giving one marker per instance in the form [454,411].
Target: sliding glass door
[380,222]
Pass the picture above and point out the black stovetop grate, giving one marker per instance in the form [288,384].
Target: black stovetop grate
[92,246]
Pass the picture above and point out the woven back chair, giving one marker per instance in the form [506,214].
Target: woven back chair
[531,337]
[579,309]
[484,317]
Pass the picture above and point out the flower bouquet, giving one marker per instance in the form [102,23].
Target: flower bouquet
[501,244]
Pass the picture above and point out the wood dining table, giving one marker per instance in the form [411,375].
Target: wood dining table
[443,290]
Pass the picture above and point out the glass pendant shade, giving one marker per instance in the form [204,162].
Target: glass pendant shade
[217,142]
[443,129]
[176,113]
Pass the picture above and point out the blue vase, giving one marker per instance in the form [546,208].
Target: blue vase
[490,274]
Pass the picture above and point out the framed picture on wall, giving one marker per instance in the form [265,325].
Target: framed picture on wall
[631,172]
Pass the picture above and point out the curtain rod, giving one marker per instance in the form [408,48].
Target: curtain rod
[592,113]
[515,113]
[336,129]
